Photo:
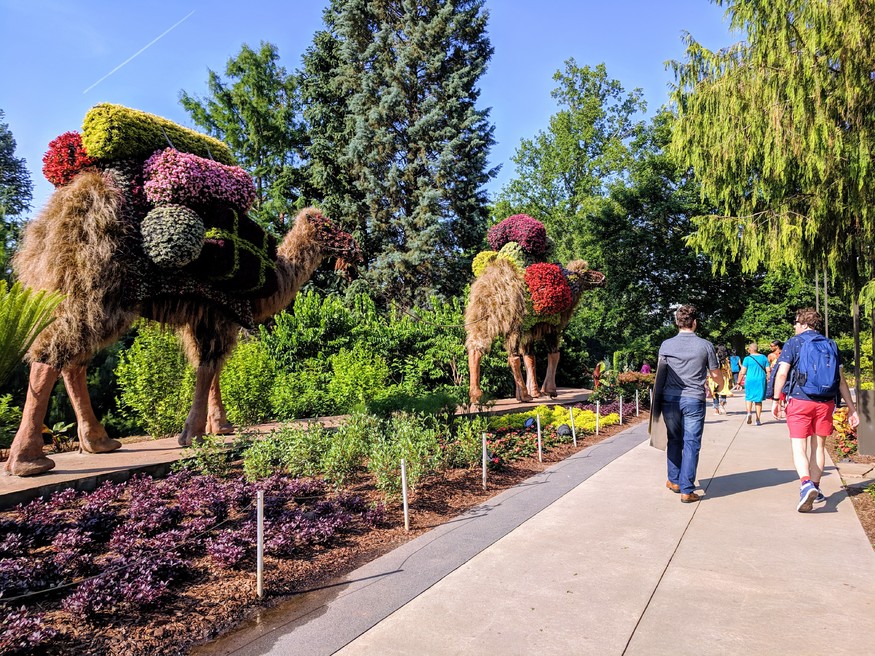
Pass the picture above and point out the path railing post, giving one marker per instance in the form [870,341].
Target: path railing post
[259,550]
[540,453]
[573,430]
[404,494]
[597,417]
[485,460]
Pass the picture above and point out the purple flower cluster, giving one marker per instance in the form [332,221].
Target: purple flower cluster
[529,233]
[185,179]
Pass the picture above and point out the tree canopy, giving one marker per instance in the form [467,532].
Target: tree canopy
[16,191]
[257,112]
[780,131]
[564,172]
[399,145]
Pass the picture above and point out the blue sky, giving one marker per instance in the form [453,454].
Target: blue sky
[57,56]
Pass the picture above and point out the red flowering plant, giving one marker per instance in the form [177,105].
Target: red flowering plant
[65,158]
[549,289]
[529,233]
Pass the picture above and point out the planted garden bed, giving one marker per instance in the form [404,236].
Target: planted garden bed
[155,566]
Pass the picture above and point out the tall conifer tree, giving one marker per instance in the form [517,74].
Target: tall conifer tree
[399,147]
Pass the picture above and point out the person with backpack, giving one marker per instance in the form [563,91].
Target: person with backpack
[810,377]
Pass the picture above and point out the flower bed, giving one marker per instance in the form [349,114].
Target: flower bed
[131,546]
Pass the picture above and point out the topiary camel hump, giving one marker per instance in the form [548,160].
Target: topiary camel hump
[520,298]
[137,228]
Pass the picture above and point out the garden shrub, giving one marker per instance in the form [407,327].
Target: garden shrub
[156,381]
[466,448]
[301,393]
[350,445]
[208,455]
[247,380]
[413,438]
[291,450]
[357,377]
[10,417]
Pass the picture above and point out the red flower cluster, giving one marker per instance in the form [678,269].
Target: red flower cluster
[529,233]
[65,158]
[550,291]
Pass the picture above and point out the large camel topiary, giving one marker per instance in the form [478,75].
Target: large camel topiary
[92,243]
[500,305]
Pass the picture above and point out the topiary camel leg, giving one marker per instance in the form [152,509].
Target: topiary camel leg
[550,378]
[92,435]
[26,453]
[522,394]
[217,419]
[531,375]
[474,391]
[196,423]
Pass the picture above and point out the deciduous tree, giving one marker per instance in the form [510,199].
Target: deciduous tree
[780,130]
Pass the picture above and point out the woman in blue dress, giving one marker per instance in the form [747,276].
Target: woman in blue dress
[753,375]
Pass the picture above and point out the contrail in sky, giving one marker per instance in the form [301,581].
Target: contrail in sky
[171,28]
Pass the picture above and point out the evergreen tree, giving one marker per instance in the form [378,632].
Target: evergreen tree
[16,191]
[399,148]
[563,174]
[257,112]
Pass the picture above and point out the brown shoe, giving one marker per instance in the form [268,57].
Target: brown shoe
[674,487]
[692,497]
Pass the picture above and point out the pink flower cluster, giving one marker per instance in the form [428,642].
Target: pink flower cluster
[549,289]
[186,179]
[529,233]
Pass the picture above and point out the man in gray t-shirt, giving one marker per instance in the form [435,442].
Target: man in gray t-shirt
[688,360]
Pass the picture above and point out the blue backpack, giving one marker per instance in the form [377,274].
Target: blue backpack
[817,370]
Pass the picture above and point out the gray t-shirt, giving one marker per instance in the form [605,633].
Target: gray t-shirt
[689,358]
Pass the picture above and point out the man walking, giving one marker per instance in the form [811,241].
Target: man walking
[689,360]
[811,363]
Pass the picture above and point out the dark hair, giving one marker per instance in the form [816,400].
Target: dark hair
[810,317]
[685,315]
[722,354]
[778,343]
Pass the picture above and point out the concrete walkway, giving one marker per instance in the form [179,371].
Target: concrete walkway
[596,556]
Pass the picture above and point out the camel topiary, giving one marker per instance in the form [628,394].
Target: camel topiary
[521,304]
[206,281]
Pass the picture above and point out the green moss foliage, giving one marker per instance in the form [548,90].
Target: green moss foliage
[112,132]
[173,236]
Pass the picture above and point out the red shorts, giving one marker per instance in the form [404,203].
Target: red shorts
[806,418]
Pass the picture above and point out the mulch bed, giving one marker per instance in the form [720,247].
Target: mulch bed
[219,601]
[863,501]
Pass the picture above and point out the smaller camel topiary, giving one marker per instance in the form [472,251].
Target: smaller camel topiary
[521,304]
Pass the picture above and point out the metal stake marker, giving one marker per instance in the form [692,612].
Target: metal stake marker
[540,454]
[573,430]
[484,461]
[636,402]
[621,409]
[259,551]
[597,416]
[404,494]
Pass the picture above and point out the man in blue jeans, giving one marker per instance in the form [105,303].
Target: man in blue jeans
[689,360]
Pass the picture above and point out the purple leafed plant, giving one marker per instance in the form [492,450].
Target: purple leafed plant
[23,632]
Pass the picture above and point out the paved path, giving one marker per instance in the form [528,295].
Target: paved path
[595,556]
